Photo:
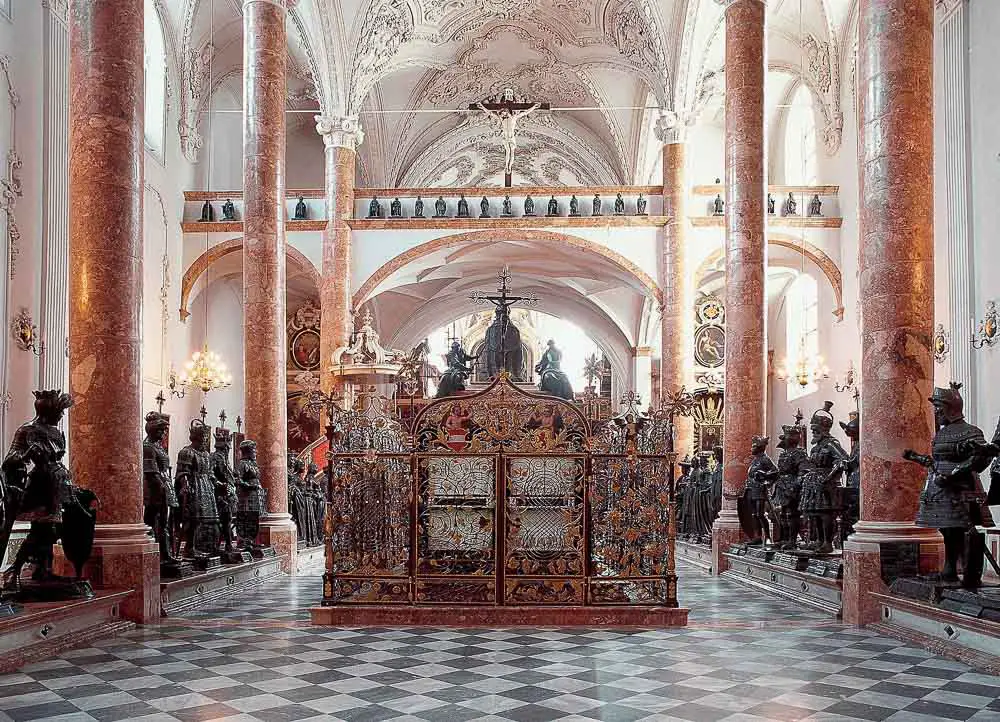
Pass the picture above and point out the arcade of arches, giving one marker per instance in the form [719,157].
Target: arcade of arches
[381,238]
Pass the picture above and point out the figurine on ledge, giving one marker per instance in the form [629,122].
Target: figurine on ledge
[718,205]
[640,205]
[953,500]
[574,206]
[791,207]
[36,487]
[301,211]
[597,205]
[374,209]
[440,208]
[553,207]
[395,209]
[207,213]
[484,207]
[463,207]
[529,206]
[770,204]
[507,209]
[815,206]
[228,211]
[619,205]
[453,379]
[418,208]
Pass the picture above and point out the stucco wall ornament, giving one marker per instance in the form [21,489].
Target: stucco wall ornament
[823,78]
[386,28]
[941,344]
[194,84]
[25,333]
[10,183]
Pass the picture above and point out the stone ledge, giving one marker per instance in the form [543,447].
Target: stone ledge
[541,221]
[487,615]
[969,640]
[774,221]
[187,593]
[820,593]
[712,189]
[43,630]
[237,226]
[310,559]
[697,555]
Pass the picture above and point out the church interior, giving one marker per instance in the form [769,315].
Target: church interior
[513,360]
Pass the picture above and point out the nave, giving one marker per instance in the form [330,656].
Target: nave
[743,657]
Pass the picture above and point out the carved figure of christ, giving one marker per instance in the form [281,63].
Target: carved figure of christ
[508,131]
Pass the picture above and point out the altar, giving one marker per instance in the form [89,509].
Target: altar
[501,507]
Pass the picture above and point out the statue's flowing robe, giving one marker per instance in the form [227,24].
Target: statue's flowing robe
[496,359]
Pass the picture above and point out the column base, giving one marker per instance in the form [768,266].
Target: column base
[725,532]
[278,532]
[124,557]
[863,564]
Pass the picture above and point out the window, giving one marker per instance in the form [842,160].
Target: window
[800,140]
[802,330]
[155,63]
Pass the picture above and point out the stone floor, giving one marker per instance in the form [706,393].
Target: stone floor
[744,657]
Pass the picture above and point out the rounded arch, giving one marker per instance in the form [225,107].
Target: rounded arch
[221,250]
[367,289]
[810,251]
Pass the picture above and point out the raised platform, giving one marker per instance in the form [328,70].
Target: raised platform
[309,559]
[965,638]
[812,582]
[489,616]
[191,592]
[695,554]
[44,629]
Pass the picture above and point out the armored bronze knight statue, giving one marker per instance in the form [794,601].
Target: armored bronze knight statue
[953,499]
[852,468]
[159,498]
[683,496]
[453,379]
[250,496]
[753,515]
[821,499]
[35,486]
[297,506]
[553,379]
[196,493]
[785,493]
[225,491]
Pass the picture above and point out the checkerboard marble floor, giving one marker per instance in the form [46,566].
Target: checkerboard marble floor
[744,657]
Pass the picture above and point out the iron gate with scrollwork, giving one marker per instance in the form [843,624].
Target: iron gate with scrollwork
[500,498]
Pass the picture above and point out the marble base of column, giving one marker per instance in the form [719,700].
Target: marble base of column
[863,564]
[278,532]
[726,531]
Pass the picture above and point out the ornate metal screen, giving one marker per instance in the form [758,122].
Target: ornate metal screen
[500,498]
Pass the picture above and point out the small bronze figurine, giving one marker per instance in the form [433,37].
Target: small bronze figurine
[553,207]
[619,205]
[301,210]
[597,205]
[718,205]
[207,212]
[374,209]
[395,209]
[815,206]
[440,208]
[952,499]
[250,496]
[463,207]
[228,211]
[529,206]
[507,210]
[418,208]
[640,205]
[574,206]
[791,207]
[770,204]
[484,207]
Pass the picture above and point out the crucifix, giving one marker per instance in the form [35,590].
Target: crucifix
[160,400]
[501,338]
[507,108]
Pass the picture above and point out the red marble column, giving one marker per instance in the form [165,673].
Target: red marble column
[896,219]
[677,314]
[340,138]
[746,258]
[264,355]
[105,236]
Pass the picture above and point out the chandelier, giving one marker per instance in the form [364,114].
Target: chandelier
[204,371]
[805,369]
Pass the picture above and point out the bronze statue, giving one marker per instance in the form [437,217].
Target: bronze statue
[228,211]
[440,208]
[682,496]
[820,498]
[815,206]
[790,205]
[35,486]
[301,211]
[787,488]
[553,380]
[529,206]
[760,472]
[770,204]
[225,490]
[574,206]
[716,482]
[507,210]
[395,209]
[296,505]
[597,205]
[718,205]
[418,208]
[619,205]
[453,379]
[250,496]
[503,347]
[484,207]
[207,212]
[553,207]
[318,490]
[196,494]
[640,205]
[852,468]
[158,497]
[374,209]
[993,498]
[952,499]
[463,207]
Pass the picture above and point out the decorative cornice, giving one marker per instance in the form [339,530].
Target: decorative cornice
[340,131]
[774,221]
[372,224]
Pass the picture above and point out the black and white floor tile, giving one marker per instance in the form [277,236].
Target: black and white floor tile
[744,657]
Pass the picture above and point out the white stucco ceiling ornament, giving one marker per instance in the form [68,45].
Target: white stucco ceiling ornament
[194,85]
[386,27]
[823,77]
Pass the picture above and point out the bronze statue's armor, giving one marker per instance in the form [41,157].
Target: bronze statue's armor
[159,498]
[852,468]
[760,471]
[225,485]
[785,493]
[196,492]
[250,496]
[821,498]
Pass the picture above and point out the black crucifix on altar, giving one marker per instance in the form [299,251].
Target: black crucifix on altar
[507,108]
[503,340]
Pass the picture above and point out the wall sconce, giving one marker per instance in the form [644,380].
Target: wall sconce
[941,343]
[848,380]
[986,332]
[25,333]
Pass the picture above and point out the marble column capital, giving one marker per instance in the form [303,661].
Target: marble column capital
[947,7]
[672,126]
[340,131]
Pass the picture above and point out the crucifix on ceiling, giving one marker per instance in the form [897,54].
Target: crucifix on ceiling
[506,109]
